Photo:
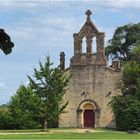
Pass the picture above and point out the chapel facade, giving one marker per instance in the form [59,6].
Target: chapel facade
[92,83]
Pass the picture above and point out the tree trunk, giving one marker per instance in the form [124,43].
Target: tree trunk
[45,125]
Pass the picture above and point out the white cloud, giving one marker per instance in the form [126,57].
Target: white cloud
[55,21]
[2,85]
[114,4]
[32,3]
[20,3]
[37,31]
[125,3]
[100,3]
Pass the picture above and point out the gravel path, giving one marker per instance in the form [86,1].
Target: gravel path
[53,131]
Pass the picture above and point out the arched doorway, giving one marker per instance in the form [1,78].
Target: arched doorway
[88,116]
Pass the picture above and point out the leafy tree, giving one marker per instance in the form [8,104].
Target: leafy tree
[124,39]
[23,108]
[6,44]
[126,107]
[50,85]
[40,103]
[131,74]
[125,45]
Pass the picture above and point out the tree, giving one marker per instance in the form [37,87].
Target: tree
[6,44]
[50,85]
[131,73]
[126,107]
[23,108]
[123,41]
[41,102]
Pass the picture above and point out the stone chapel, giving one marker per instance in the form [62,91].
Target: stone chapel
[92,83]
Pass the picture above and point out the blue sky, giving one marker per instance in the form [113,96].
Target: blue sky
[40,28]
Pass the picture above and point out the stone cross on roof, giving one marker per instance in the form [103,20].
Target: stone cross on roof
[88,13]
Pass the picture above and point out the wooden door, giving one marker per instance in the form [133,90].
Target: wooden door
[89,118]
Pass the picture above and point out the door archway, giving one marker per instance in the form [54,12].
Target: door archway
[88,114]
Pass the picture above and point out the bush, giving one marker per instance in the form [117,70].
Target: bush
[5,120]
[127,112]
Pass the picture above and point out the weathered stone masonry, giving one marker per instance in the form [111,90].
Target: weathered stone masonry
[92,84]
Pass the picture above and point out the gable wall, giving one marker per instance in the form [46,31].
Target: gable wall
[94,83]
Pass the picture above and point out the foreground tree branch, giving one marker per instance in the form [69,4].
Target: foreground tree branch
[6,44]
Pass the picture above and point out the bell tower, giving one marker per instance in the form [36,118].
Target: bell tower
[88,31]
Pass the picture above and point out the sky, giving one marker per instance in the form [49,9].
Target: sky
[40,28]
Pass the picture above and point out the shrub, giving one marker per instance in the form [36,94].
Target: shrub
[127,112]
[5,119]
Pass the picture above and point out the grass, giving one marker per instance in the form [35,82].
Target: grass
[31,130]
[21,131]
[67,135]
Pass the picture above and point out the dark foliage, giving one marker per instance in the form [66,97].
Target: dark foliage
[6,44]
[123,41]
[5,119]
[127,112]
[126,107]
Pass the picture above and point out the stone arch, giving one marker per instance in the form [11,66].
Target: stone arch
[88,101]
[90,35]
[87,105]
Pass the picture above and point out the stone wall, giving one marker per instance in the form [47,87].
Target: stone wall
[97,83]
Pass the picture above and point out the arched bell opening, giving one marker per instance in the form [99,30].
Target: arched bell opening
[88,44]
[94,45]
[84,45]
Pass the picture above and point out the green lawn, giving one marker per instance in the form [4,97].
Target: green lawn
[68,135]
[21,131]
